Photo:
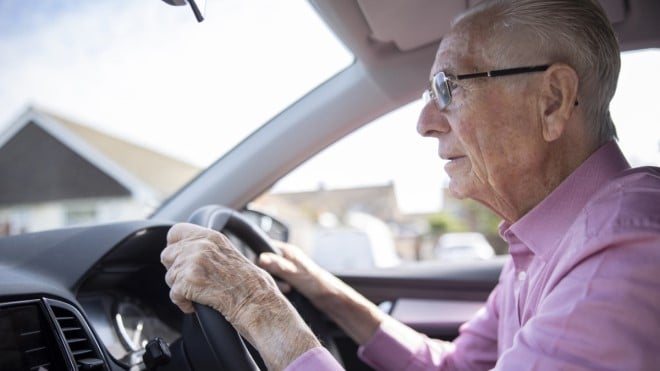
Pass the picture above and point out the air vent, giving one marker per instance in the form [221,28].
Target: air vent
[76,334]
[27,338]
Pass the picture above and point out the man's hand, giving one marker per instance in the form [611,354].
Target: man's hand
[204,267]
[299,271]
[356,315]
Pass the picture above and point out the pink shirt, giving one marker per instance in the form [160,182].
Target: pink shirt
[580,292]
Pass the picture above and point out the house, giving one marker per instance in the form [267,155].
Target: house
[359,218]
[378,200]
[55,172]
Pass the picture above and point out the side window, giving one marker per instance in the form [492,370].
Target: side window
[376,199]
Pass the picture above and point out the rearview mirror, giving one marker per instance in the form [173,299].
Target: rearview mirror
[198,6]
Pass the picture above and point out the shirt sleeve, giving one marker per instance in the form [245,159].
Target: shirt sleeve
[317,359]
[396,347]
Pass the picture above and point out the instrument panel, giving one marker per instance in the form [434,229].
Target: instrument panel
[124,324]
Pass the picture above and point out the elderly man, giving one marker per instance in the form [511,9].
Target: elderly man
[519,103]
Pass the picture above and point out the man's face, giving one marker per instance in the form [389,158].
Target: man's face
[489,133]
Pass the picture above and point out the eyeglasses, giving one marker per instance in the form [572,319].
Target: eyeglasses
[441,84]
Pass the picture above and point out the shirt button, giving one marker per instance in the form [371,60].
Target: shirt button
[522,275]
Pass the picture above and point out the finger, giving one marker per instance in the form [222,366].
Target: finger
[298,258]
[277,265]
[283,286]
[187,231]
[180,301]
[179,232]
[169,254]
[171,276]
[186,237]
[288,251]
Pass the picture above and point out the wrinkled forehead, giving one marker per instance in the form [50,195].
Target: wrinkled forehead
[463,50]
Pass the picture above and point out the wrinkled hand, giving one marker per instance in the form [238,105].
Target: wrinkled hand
[302,273]
[204,267]
[355,314]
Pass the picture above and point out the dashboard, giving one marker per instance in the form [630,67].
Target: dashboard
[125,324]
[107,278]
[92,297]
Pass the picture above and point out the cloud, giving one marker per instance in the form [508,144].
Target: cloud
[148,72]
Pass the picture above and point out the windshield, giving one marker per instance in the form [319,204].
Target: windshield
[109,106]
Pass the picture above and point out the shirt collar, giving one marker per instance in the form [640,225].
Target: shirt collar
[542,227]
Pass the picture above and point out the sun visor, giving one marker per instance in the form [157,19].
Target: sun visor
[409,24]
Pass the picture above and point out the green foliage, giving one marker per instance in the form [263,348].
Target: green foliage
[468,216]
[444,222]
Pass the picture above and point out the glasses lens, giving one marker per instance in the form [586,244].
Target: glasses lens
[427,95]
[441,90]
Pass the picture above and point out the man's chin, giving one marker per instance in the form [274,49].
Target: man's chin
[457,190]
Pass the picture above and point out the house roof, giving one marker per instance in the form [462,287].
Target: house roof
[64,159]
[378,200]
[165,174]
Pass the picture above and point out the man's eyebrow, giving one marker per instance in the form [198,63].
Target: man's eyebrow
[464,70]
[443,68]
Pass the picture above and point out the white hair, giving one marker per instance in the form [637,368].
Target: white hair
[575,32]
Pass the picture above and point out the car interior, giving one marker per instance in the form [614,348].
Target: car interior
[94,297]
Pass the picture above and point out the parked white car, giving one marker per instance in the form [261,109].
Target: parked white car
[463,246]
[364,242]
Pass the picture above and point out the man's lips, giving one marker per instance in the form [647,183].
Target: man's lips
[453,162]
[451,157]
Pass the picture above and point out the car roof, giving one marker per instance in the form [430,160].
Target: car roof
[382,34]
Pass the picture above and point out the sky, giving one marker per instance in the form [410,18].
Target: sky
[147,72]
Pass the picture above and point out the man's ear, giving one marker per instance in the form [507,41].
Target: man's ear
[558,99]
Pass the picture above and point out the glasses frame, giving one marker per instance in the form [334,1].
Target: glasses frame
[441,84]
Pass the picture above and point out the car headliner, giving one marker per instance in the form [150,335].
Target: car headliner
[394,44]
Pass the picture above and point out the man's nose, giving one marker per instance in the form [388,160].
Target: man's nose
[431,121]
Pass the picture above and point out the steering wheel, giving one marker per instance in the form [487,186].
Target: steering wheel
[227,346]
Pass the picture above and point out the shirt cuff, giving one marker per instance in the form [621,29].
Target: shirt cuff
[393,346]
[318,359]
